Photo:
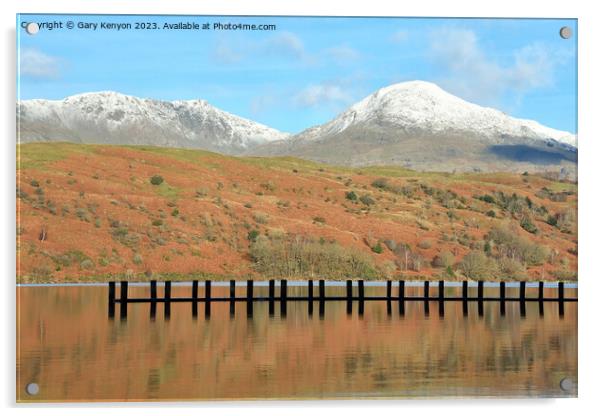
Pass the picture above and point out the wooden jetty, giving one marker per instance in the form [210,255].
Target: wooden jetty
[283,297]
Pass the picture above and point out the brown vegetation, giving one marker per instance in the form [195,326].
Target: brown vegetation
[209,215]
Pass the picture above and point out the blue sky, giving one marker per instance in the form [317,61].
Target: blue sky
[308,69]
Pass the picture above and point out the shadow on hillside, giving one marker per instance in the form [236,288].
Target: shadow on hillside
[524,153]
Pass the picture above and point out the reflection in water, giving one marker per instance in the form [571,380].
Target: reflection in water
[70,348]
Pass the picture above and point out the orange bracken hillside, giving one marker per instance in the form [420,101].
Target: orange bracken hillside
[87,212]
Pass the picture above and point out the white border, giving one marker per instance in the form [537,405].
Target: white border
[590,193]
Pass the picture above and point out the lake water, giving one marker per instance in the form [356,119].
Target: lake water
[68,346]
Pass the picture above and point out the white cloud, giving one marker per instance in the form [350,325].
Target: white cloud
[36,64]
[285,43]
[342,53]
[226,54]
[282,45]
[474,75]
[322,94]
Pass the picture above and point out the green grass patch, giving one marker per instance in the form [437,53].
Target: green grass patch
[40,155]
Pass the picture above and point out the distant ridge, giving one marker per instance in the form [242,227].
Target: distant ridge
[112,118]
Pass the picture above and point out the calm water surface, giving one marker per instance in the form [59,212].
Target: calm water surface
[68,346]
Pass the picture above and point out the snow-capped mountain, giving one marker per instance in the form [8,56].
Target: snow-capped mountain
[113,118]
[419,125]
[424,105]
[414,124]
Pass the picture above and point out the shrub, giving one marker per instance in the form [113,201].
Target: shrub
[444,259]
[487,198]
[252,235]
[82,214]
[87,264]
[567,220]
[260,217]
[552,220]
[157,222]
[156,179]
[303,257]
[378,248]
[416,262]
[380,183]
[491,213]
[320,220]
[508,243]
[201,192]
[175,212]
[367,200]
[137,259]
[34,183]
[476,265]
[511,269]
[527,224]
[268,186]
[425,244]
[351,196]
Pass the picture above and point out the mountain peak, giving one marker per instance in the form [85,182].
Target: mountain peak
[112,117]
[424,106]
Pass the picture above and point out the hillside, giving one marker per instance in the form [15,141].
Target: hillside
[92,212]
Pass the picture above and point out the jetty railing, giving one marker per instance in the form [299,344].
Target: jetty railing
[283,297]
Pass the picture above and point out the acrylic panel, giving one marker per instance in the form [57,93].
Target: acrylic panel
[251,208]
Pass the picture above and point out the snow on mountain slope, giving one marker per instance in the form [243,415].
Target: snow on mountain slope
[110,117]
[420,105]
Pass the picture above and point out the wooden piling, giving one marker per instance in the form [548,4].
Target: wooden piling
[249,298]
[360,288]
[522,297]
[540,298]
[271,289]
[561,298]
[271,296]
[232,297]
[322,296]
[111,300]
[349,293]
[389,293]
[310,297]
[283,297]
[502,298]
[153,299]
[195,297]
[283,290]
[167,298]
[207,298]
[480,286]
[441,293]
[522,291]
[123,297]
[465,298]
[401,296]
[426,298]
